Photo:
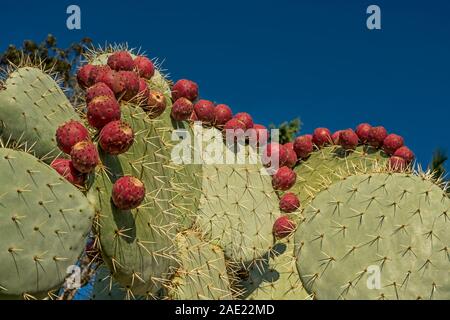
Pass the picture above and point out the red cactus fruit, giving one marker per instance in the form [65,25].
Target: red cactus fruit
[182,109]
[156,104]
[405,153]
[284,179]
[283,227]
[377,136]
[348,139]
[128,193]
[362,130]
[100,74]
[291,157]
[245,118]
[70,133]
[102,110]
[116,137]
[144,67]
[397,163]
[303,146]
[289,202]
[322,137]
[66,169]
[97,90]
[222,114]
[84,156]
[129,83]
[204,109]
[121,61]
[335,137]
[185,89]
[275,149]
[193,117]
[84,76]
[144,91]
[392,143]
[234,125]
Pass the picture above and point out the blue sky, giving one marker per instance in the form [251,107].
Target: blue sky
[282,59]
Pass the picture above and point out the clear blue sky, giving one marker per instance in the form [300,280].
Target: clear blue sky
[282,59]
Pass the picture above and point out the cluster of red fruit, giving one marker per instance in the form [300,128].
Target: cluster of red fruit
[123,78]
[377,137]
[188,107]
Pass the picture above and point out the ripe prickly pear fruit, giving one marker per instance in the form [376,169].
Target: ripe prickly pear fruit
[121,61]
[144,67]
[289,202]
[245,118]
[116,137]
[144,91]
[377,136]
[84,156]
[222,114]
[322,137]
[182,109]
[156,104]
[204,110]
[284,179]
[335,137]
[405,153]
[291,157]
[303,146]
[97,90]
[102,110]
[66,169]
[392,143]
[348,139]
[84,76]
[101,74]
[128,193]
[275,150]
[362,130]
[234,125]
[283,227]
[70,133]
[397,164]
[127,82]
[185,89]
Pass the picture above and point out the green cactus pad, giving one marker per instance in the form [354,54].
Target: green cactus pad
[138,244]
[238,209]
[275,278]
[203,273]
[43,223]
[382,226]
[330,164]
[32,107]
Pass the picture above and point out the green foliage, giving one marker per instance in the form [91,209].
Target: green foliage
[62,61]
[288,130]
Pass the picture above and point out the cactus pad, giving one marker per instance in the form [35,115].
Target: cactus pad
[203,275]
[43,221]
[382,226]
[32,106]
[331,164]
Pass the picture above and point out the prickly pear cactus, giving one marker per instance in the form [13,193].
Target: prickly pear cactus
[138,244]
[203,274]
[106,288]
[238,209]
[331,164]
[376,236]
[275,278]
[43,221]
[32,106]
